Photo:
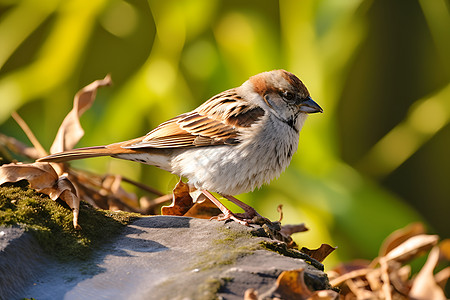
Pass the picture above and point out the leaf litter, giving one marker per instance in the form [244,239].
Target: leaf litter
[389,276]
[59,180]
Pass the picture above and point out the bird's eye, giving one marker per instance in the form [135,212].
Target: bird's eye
[288,96]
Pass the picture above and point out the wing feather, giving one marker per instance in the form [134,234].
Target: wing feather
[215,122]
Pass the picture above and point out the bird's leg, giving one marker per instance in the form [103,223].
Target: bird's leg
[249,212]
[227,214]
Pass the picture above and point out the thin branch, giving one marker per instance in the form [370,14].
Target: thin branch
[29,134]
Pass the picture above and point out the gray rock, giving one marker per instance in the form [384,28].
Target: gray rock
[20,260]
[160,257]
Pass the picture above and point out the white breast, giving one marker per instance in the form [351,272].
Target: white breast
[263,155]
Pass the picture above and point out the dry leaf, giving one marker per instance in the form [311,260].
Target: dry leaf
[251,294]
[319,254]
[70,131]
[444,246]
[399,236]
[39,175]
[411,247]
[338,280]
[424,286]
[43,178]
[203,210]
[324,295]
[442,277]
[182,201]
[290,285]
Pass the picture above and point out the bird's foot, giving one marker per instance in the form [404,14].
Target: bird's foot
[234,217]
[245,218]
[249,216]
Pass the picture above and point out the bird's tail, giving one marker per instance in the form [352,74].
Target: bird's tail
[78,154]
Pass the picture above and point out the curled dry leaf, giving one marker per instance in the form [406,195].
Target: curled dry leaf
[319,254]
[324,295]
[39,175]
[43,178]
[411,248]
[289,285]
[70,131]
[251,294]
[203,210]
[442,277]
[424,285]
[399,236]
[182,201]
[183,204]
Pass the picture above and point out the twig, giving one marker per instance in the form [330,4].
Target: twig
[143,186]
[29,134]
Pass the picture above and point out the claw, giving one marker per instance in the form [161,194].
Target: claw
[231,216]
[249,216]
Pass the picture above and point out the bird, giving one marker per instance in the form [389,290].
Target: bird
[234,142]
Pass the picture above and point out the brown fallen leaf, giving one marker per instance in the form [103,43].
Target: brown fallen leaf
[39,175]
[203,210]
[411,248]
[319,254]
[43,178]
[251,294]
[442,277]
[424,285]
[289,285]
[324,295]
[182,201]
[70,131]
[399,236]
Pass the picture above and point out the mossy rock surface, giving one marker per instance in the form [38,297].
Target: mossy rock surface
[50,221]
[158,257]
[168,257]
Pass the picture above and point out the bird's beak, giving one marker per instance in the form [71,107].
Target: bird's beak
[309,106]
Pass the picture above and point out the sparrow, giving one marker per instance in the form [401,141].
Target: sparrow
[231,144]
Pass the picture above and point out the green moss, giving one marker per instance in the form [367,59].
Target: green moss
[210,288]
[232,244]
[51,221]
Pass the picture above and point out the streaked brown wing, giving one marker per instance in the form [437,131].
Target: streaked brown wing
[216,122]
[188,130]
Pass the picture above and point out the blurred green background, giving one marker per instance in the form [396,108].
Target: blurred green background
[376,160]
